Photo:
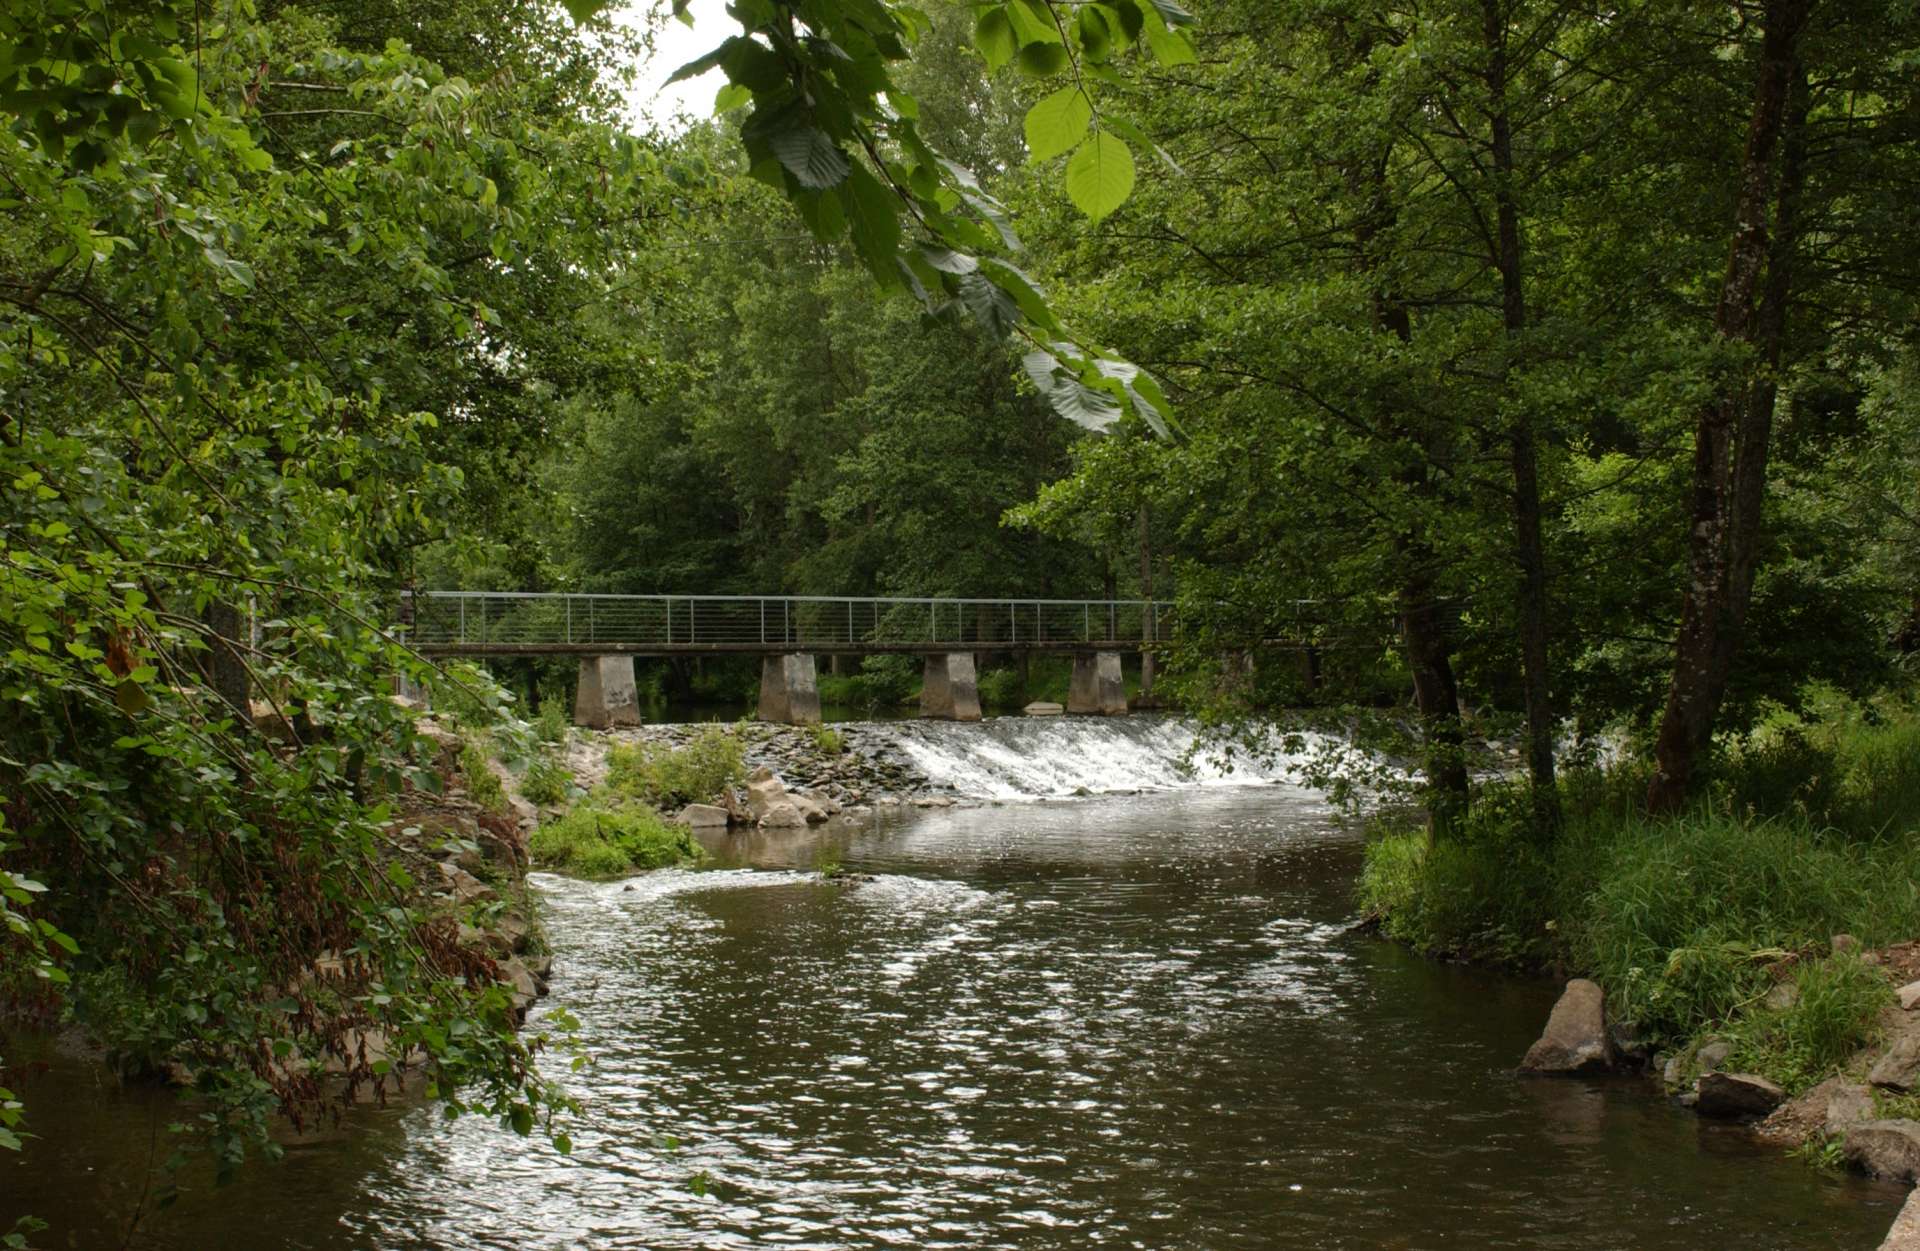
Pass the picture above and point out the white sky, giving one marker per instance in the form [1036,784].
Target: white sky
[675,45]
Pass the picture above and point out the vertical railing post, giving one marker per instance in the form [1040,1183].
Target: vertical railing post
[763,621]
[463,618]
[1113,620]
[569,603]
[669,621]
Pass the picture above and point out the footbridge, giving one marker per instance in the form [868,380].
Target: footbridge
[608,631]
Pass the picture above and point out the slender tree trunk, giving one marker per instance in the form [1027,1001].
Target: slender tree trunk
[1727,498]
[1523,453]
[1146,593]
[226,672]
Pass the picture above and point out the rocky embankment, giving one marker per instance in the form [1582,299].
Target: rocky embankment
[1868,1113]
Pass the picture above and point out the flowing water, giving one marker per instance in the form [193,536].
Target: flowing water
[1127,1021]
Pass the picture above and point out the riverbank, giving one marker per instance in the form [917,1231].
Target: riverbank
[1766,933]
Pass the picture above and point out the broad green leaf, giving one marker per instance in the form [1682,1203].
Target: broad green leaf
[993,35]
[1100,175]
[1083,405]
[1134,135]
[730,97]
[992,307]
[810,155]
[1058,123]
[875,212]
[1042,60]
[1033,22]
[1171,47]
[1171,13]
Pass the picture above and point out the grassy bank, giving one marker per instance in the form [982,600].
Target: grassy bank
[1695,924]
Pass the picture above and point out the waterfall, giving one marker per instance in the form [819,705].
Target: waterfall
[1054,757]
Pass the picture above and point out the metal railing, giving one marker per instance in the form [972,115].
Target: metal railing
[489,619]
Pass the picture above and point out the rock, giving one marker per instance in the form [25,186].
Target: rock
[811,811]
[1673,1072]
[1041,708]
[1905,1234]
[1844,943]
[933,801]
[465,886]
[825,802]
[1627,1043]
[703,817]
[1848,1106]
[542,969]
[1737,1096]
[1575,1040]
[1711,1056]
[782,815]
[1910,996]
[513,931]
[1783,996]
[520,978]
[1885,1149]
[764,792]
[1899,1068]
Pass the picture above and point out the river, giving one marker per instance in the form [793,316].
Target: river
[1127,1021]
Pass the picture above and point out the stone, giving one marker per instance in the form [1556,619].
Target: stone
[790,690]
[1628,1045]
[606,696]
[1888,1149]
[825,802]
[465,886]
[1783,996]
[1910,996]
[1737,1096]
[783,815]
[1844,943]
[703,817]
[1673,1072]
[1905,1234]
[764,791]
[520,978]
[1848,1106]
[1899,1068]
[950,688]
[1097,687]
[1575,1040]
[812,812]
[1042,708]
[1711,1056]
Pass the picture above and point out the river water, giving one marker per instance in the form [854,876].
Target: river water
[1120,1021]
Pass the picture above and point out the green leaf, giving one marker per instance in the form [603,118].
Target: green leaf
[1100,175]
[584,11]
[993,35]
[992,307]
[1139,138]
[1042,60]
[731,97]
[810,155]
[1083,405]
[1172,14]
[1033,23]
[875,213]
[1057,124]
[1171,47]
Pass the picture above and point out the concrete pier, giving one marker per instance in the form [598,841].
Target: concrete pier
[606,697]
[790,690]
[950,688]
[1098,688]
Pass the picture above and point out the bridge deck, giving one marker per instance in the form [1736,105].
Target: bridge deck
[477,623]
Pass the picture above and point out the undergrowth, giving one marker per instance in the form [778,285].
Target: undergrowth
[600,842]
[711,763]
[1806,830]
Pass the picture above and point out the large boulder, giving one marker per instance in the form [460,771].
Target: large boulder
[1905,1234]
[703,817]
[1899,1068]
[1885,1149]
[1737,1096]
[1575,1040]
[810,809]
[1848,1106]
[782,815]
[764,792]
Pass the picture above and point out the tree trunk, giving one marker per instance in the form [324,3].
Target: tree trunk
[1727,497]
[1146,593]
[225,671]
[1523,454]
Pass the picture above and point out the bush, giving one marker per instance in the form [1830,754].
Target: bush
[883,682]
[1836,1012]
[551,726]
[1002,689]
[546,781]
[828,742]
[713,762]
[483,785]
[597,842]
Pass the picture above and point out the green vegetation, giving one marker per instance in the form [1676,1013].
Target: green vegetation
[600,842]
[476,769]
[711,763]
[1690,922]
[826,740]
[546,781]
[551,725]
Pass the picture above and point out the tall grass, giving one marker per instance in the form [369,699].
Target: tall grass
[1804,832]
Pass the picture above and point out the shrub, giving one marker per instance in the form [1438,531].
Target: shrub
[1835,1012]
[712,762]
[1003,689]
[483,785]
[551,726]
[826,741]
[593,841]
[546,781]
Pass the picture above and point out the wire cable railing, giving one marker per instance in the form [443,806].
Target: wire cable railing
[484,621]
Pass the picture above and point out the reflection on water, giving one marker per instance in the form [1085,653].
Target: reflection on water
[1128,1022]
